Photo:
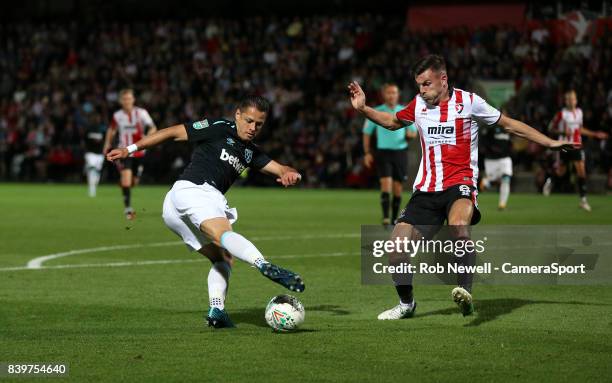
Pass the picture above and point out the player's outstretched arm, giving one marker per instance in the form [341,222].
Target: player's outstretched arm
[598,134]
[285,175]
[176,132]
[358,100]
[523,130]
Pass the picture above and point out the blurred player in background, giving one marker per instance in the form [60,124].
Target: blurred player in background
[196,209]
[568,125]
[131,123]
[447,120]
[497,147]
[391,156]
[94,146]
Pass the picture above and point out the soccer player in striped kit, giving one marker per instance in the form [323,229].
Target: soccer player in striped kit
[391,156]
[447,121]
[131,123]
[568,125]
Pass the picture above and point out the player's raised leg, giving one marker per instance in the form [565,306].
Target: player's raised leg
[459,220]
[220,232]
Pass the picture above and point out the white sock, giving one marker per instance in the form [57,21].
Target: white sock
[93,177]
[218,280]
[504,191]
[242,248]
[407,305]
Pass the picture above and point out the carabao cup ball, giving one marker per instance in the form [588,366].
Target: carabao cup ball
[285,313]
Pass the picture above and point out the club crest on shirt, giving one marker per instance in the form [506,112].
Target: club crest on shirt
[459,107]
[230,141]
[248,155]
[200,124]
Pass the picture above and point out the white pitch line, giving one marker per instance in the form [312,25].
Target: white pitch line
[37,262]
[161,262]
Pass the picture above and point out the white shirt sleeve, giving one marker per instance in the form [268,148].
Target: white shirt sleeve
[146,118]
[484,112]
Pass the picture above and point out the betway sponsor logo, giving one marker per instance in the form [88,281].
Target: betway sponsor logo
[232,160]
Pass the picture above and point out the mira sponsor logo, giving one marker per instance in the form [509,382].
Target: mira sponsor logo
[441,134]
[441,129]
[232,160]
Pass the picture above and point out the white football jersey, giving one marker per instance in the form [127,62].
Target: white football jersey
[568,123]
[131,126]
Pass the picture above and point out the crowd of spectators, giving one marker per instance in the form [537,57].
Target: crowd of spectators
[58,78]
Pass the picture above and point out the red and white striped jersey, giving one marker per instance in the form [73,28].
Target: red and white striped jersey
[568,123]
[449,138]
[131,126]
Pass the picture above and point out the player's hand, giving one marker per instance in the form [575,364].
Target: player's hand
[368,160]
[358,98]
[289,178]
[564,146]
[117,154]
[601,135]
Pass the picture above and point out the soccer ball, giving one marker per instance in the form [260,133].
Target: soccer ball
[284,313]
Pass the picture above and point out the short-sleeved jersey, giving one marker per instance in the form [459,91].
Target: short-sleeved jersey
[568,123]
[219,155]
[131,126]
[385,138]
[449,138]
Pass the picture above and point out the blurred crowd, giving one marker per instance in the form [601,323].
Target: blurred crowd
[59,79]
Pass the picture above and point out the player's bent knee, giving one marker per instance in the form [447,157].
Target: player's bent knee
[215,228]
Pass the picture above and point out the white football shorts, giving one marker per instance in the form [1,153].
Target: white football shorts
[187,205]
[94,160]
[496,168]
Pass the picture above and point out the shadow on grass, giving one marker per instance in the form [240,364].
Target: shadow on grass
[333,309]
[488,310]
[253,315]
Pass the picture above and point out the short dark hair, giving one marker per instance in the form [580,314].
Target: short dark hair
[257,102]
[433,62]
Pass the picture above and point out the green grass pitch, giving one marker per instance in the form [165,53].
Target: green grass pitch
[120,317]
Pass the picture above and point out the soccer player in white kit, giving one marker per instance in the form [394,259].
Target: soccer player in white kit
[568,125]
[131,123]
[445,187]
[196,209]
